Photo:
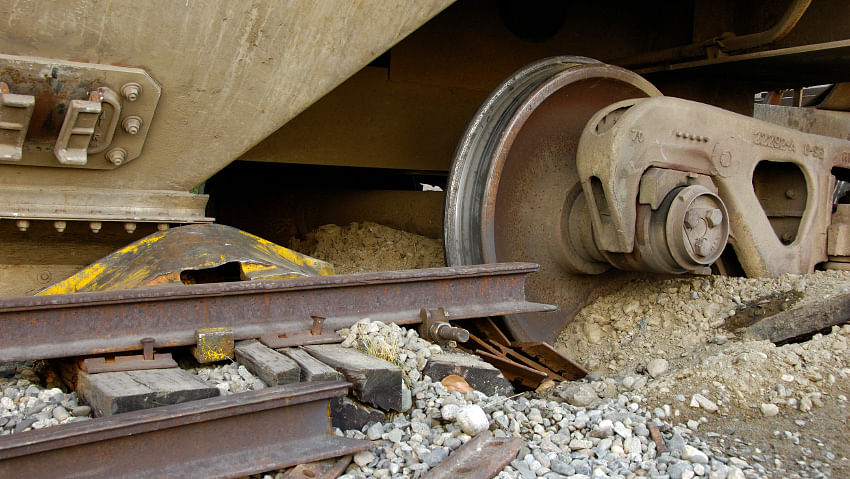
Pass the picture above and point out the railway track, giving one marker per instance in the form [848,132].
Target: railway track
[236,435]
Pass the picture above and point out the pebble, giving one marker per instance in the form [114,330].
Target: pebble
[769,410]
[581,394]
[472,419]
[363,458]
[657,367]
[694,455]
[698,400]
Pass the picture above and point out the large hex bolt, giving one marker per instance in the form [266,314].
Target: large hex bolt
[714,217]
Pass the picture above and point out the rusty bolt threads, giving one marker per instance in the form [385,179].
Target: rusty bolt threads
[116,156]
[447,332]
[132,124]
[714,218]
[131,91]
[4,88]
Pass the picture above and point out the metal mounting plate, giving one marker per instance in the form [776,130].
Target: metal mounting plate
[55,83]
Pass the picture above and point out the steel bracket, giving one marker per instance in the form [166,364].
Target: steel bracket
[84,115]
[15,114]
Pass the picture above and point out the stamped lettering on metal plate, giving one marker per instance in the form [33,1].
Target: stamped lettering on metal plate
[774,141]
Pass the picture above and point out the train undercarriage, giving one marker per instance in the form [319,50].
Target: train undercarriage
[651,158]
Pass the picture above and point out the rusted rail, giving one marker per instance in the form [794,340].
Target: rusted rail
[222,437]
[43,327]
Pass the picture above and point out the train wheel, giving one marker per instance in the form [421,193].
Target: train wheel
[514,175]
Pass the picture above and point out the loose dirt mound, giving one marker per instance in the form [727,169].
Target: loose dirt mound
[363,247]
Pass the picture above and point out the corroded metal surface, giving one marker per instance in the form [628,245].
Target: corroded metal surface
[222,437]
[43,327]
[513,171]
[481,458]
[191,254]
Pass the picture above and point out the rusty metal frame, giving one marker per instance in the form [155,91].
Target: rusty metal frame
[43,327]
[222,437]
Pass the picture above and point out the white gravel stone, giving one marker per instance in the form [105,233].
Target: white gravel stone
[657,367]
[472,419]
[769,410]
[698,400]
[692,454]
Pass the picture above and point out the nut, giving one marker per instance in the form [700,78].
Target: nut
[132,124]
[116,156]
[131,91]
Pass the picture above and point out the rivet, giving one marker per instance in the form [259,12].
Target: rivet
[22,225]
[162,226]
[130,227]
[95,226]
[60,226]
[790,193]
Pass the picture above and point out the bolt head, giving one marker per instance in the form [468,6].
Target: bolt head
[692,219]
[702,247]
[714,217]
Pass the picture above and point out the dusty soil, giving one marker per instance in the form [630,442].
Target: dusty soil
[690,324]
[364,247]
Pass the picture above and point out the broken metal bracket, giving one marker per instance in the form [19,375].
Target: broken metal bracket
[528,363]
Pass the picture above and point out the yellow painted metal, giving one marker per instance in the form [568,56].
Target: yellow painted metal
[213,344]
[190,254]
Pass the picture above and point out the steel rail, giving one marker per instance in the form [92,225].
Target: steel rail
[44,327]
[222,437]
